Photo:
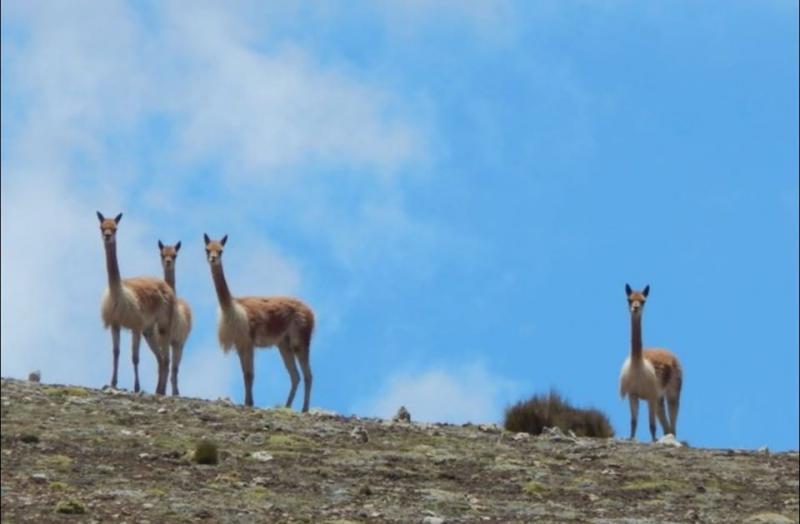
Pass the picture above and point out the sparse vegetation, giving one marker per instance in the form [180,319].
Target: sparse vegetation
[206,453]
[70,507]
[551,410]
[29,438]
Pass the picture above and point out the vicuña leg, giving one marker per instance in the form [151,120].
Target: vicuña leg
[662,416]
[156,341]
[115,349]
[634,403]
[288,360]
[246,359]
[163,361]
[136,338]
[305,366]
[652,405]
[177,353]
[674,404]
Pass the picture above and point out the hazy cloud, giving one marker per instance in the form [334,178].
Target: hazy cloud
[469,393]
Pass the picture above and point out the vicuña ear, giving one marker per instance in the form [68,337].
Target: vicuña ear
[178,246]
[119,217]
[100,216]
[646,290]
[205,237]
[160,245]
[224,239]
[628,290]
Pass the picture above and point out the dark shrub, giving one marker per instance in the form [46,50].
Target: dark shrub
[29,438]
[206,453]
[550,410]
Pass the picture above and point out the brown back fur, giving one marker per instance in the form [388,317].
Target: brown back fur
[667,367]
[272,319]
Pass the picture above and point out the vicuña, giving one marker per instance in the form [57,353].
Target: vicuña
[141,304]
[650,374]
[249,322]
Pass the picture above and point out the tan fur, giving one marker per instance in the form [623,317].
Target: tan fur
[249,322]
[233,327]
[144,302]
[659,373]
[182,324]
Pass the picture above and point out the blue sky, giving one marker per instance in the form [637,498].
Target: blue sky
[460,191]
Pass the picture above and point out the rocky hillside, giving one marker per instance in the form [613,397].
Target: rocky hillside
[74,454]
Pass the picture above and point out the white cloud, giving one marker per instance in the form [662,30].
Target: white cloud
[83,81]
[494,21]
[468,393]
[206,372]
[53,277]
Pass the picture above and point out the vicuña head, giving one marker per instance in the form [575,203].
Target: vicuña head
[168,254]
[108,227]
[249,322]
[636,299]
[214,249]
[145,305]
[650,374]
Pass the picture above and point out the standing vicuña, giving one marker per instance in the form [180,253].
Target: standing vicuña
[651,374]
[141,304]
[249,322]
[182,322]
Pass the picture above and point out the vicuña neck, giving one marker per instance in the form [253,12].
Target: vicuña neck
[169,277]
[636,337]
[112,266]
[223,293]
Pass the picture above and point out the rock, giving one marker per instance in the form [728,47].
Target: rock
[261,456]
[162,410]
[489,428]
[255,438]
[39,478]
[432,520]
[768,518]
[359,434]
[260,481]
[556,435]
[35,376]
[402,415]
[317,412]
[521,436]
[670,440]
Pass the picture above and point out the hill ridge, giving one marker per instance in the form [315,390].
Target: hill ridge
[114,456]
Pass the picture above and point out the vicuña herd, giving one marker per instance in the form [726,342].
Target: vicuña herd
[149,307]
